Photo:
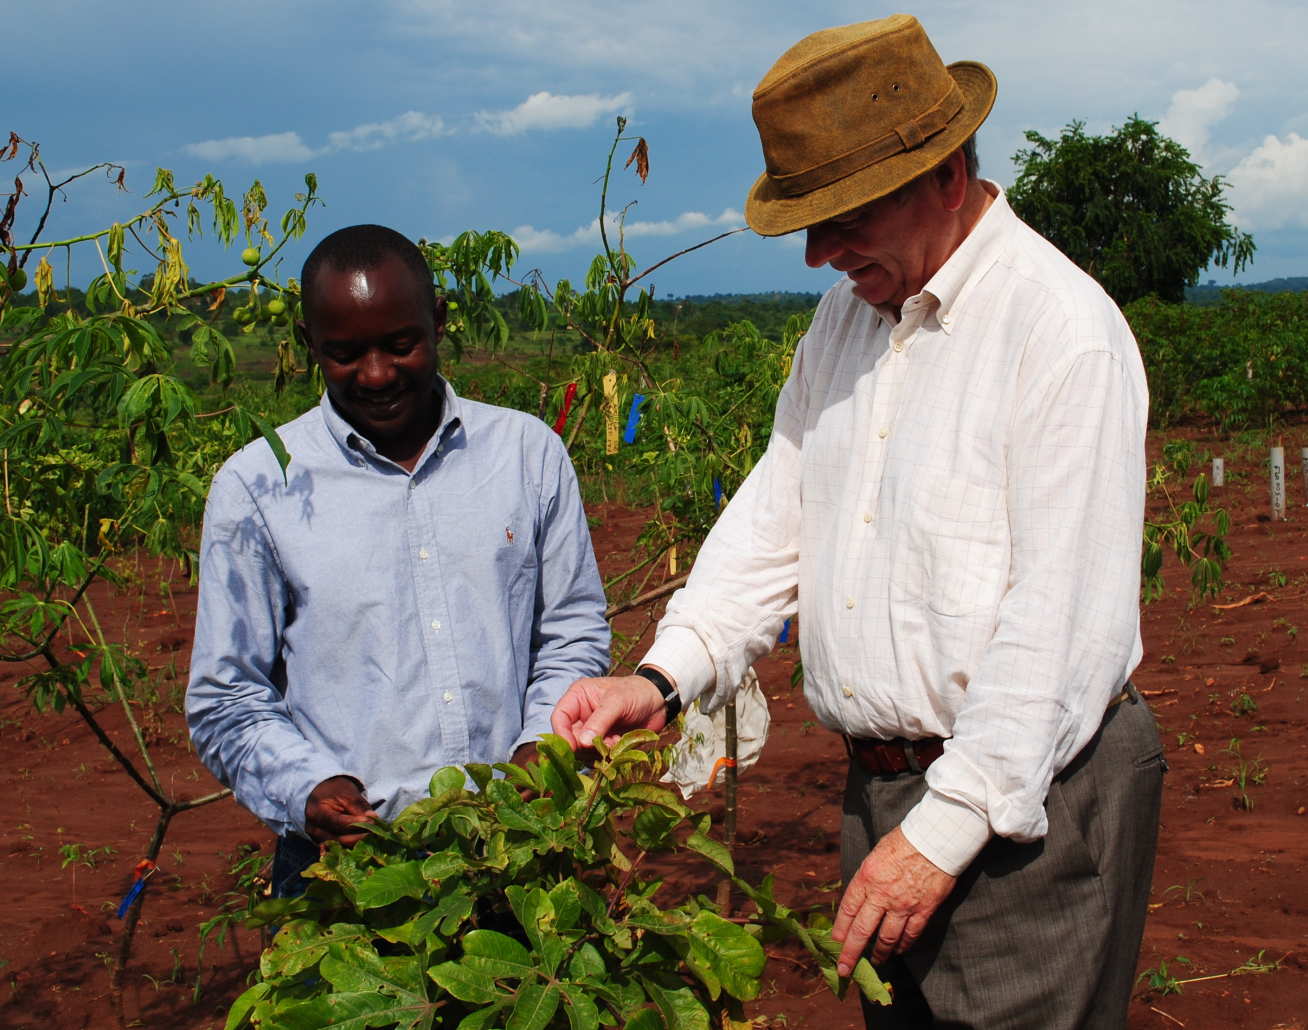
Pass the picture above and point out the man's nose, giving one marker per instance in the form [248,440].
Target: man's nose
[375,370]
[823,244]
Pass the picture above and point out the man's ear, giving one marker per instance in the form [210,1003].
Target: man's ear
[439,309]
[951,179]
[301,331]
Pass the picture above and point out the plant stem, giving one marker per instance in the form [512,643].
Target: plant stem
[126,705]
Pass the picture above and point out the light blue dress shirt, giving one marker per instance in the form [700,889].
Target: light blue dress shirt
[361,620]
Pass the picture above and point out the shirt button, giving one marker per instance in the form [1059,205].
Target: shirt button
[898,345]
[422,553]
[849,602]
[944,320]
[867,516]
[435,624]
[847,692]
[448,697]
[883,432]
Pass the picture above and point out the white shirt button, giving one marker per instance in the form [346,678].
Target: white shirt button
[847,692]
[849,602]
[883,432]
[448,697]
[944,320]
[435,624]
[898,345]
[867,516]
[422,553]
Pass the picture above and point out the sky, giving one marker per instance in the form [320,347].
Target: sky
[434,117]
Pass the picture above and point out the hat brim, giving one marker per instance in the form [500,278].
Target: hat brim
[770,213]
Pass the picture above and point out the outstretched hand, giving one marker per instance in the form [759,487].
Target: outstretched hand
[607,708]
[893,895]
[334,809]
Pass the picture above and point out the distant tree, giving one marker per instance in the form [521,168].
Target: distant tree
[1131,208]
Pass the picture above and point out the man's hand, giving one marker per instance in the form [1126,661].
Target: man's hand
[333,808]
[892,895]
[525,754]
[607,708]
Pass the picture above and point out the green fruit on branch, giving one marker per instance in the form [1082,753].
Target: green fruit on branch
[276,307]
[251,256]
[18,280]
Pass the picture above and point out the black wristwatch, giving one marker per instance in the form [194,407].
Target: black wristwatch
[671,699]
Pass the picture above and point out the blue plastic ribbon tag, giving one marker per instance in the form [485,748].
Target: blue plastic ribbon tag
[633,419]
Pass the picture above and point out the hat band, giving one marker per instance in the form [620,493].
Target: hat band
[908,136]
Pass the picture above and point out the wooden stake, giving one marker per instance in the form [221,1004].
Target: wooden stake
[1278,482]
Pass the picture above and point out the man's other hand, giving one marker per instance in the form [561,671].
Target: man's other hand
[607,708]
[524,755]
[893,895]
[334,808]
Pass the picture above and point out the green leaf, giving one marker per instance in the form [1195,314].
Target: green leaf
[466,984]
[480,773]
[445,780]
[390,883]
[565,896]
[715,851]
[496,955]
[238,1014]
[535,1007]
[646,1019]
[535,913]
[869,983]
[653,826]
[297,946]
[680,1008]
[735,956]
[580,1008]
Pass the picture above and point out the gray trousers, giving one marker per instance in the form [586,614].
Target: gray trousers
[1039,936]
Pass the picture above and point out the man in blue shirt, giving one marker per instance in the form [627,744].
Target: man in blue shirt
[417,590]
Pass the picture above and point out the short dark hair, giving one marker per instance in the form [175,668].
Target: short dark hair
[361,246]
[969,156]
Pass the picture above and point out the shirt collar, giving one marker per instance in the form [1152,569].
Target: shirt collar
[974,255]
[355,445]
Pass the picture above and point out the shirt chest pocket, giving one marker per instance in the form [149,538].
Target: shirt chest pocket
[956,558]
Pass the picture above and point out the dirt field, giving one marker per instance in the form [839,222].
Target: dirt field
[1228,681]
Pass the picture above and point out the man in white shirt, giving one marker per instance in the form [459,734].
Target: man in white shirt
[952,499]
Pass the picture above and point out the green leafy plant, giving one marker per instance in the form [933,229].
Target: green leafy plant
[1246,772]
[520,904]
[1243,704]
[1193,531]
[1161,979]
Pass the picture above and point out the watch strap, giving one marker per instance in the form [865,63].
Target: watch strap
[671,699]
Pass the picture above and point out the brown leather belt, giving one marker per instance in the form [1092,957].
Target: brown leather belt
[893,757]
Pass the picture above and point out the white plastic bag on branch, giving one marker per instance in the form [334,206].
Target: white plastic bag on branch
[696,756]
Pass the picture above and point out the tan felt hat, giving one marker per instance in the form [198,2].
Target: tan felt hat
[850,114]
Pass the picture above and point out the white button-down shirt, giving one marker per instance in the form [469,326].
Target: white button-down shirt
[953,504]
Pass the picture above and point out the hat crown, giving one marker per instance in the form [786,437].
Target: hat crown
[861,99]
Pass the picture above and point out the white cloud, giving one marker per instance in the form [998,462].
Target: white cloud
[1193,113]
[409,127]
[275,148]
[684,222]
[1269,187]
[545,110]
[547,241]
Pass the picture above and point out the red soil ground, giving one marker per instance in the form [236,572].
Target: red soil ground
[1228,884]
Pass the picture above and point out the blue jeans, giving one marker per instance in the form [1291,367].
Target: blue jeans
[292,856]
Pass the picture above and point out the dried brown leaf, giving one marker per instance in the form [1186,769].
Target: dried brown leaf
[640,154]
